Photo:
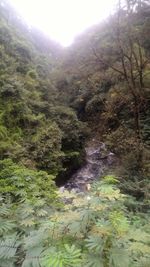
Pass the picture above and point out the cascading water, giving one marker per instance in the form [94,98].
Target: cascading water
[98,159]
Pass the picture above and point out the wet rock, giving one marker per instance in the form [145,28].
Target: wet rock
[98,159]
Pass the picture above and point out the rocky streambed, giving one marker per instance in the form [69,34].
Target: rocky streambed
[98,160]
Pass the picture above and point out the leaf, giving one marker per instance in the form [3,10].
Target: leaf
[140,247]
[67,256]
[34,239]
[103,227]
[95,243]
[72,255]
[7,263]
[4,210]
[139,235]
[144,262]
[119,222]
[93,260]
[42,213]
[75,228]
[6,226]
[110,179]
[28,222]
[8,247]
[32,257]
[87,216]
[52,258]
[119,258]
[108,191]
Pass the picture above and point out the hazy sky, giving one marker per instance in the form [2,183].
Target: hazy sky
[62,20]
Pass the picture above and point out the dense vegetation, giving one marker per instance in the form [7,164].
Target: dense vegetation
[107,75]
[52,101]
[93,230]
[35,128]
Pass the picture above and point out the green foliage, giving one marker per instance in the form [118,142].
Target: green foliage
[36,129]
[68,256]
[46,147]
[91,230]
[19,183]
[106,75]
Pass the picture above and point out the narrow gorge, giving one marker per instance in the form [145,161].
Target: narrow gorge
[98,161]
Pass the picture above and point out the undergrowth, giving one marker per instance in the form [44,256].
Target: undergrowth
[93,229]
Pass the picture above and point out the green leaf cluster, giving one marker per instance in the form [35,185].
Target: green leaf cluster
[93,229]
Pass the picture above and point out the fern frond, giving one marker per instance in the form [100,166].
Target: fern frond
[26,210]
[72,255]
[41,213]
[110,179]
[4,210]
[7,263]
[66,257]
[93,260]
[8,247]
[143,262]
[75,228]
[119,222]
[28,222]
[139,235]
[32,257]
[6,226]
[34,239]
[3,132]
[140,247]
[119,257]
[95,243]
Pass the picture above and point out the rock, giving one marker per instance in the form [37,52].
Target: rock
[98,159]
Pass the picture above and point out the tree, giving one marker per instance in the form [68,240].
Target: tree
[127,58]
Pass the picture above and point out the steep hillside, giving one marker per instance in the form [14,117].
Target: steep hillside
[107,78]
[36,129]
[49,95]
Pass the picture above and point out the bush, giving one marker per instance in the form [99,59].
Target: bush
[18,183]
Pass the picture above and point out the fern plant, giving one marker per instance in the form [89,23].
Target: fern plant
[93,229]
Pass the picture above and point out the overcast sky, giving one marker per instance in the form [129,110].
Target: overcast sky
[63,20]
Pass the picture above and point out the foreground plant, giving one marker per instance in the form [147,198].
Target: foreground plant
[93,230]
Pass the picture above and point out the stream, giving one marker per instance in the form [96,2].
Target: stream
[98,160]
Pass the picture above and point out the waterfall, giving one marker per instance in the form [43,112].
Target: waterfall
[98,160]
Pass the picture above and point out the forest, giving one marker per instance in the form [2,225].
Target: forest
[54,102]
